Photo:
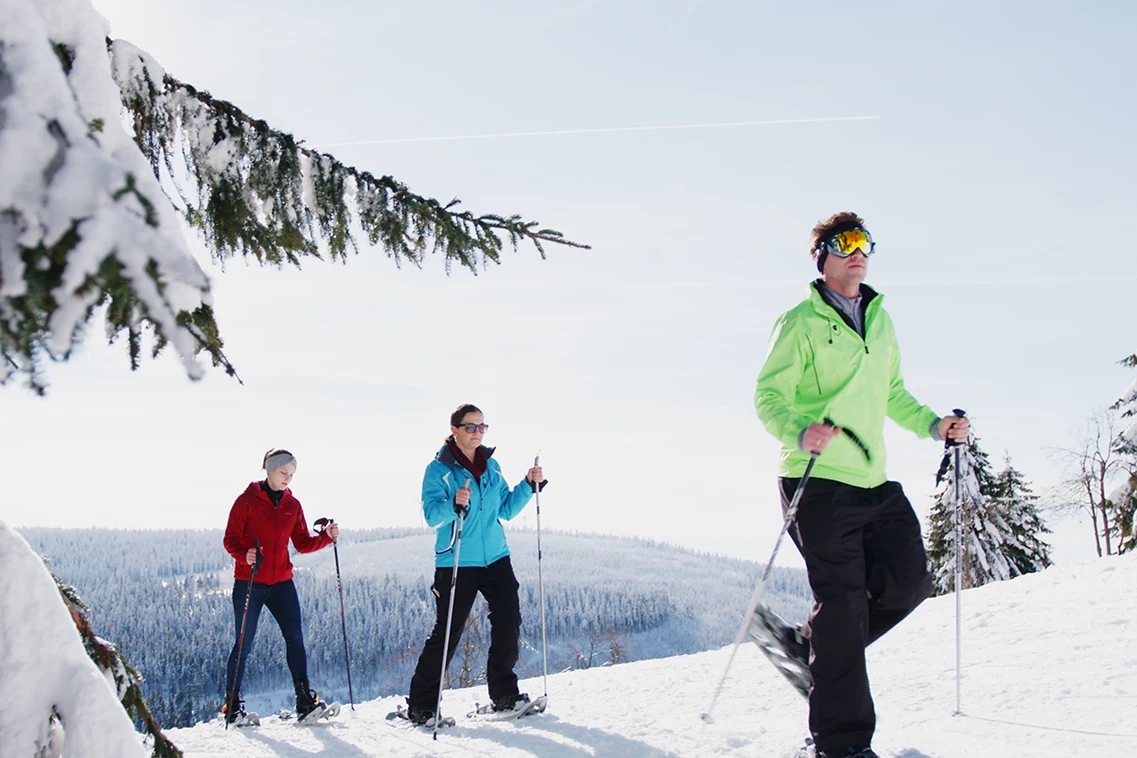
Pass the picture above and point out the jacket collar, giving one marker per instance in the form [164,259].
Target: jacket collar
[445,456]
[255,490]
[868,294]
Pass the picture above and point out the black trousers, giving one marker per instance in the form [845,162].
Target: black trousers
[868,570]
[499,587]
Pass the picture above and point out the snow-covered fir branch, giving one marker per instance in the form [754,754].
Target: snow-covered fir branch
[261,193]
[85,219]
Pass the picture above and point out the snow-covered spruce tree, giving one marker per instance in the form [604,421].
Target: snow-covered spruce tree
[1124,497]
[941,537]
[1000,526]
[116,668]
[85,220]
[1013,498]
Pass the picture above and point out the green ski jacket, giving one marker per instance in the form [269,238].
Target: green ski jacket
[818,367]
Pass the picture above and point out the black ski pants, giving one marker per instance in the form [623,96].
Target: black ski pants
[868,570]
[499,587]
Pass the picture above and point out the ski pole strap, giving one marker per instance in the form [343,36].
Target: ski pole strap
[949,443]
[853,437]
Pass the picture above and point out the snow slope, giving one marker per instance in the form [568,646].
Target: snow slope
[1048,670]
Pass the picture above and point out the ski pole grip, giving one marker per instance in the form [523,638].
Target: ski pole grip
[260,559]
[463,509]
[536,462]
[949,442]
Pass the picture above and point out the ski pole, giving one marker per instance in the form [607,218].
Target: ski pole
[791,511]
[540,581]
[238,669]
[955,446]
[323,523]
[450,611]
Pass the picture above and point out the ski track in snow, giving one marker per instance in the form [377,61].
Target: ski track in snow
[1047,671]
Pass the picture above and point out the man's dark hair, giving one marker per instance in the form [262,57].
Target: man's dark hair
[835,224]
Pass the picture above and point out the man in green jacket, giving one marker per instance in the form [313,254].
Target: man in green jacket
[835,357]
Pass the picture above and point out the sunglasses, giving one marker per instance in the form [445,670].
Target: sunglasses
[845,244]
[471,428]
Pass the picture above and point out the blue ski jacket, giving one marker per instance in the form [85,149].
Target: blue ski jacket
[491,499]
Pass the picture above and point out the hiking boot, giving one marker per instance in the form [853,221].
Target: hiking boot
[513,702]
[306,699]
[236,714]
[420,716]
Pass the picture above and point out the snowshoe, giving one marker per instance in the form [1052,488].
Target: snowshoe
[849,752]
[512,707]
[322,710]
[233,713]
[417,717]
[310,708]
[784,646]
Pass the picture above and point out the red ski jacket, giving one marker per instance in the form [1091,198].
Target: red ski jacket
[254,517]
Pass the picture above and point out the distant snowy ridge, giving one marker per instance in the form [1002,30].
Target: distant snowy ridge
[651,599]
[44,666]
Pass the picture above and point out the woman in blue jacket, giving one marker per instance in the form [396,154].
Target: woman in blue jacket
[464,477]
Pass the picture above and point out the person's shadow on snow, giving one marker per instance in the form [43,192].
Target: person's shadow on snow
[597,742]
[325,733]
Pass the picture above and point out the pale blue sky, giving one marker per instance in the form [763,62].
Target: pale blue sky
[998,182]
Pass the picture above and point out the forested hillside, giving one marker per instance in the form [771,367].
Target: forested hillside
[165,598]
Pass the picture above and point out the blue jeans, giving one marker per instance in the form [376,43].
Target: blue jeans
[284,605]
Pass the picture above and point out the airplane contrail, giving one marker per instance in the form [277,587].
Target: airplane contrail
[600,130]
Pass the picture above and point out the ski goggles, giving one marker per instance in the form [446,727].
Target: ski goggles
[844,244]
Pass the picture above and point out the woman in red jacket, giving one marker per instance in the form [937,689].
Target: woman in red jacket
[266,513]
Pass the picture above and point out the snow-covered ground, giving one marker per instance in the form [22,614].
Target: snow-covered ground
[1048,670]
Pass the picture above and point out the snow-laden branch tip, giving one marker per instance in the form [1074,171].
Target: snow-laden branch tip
[83,221]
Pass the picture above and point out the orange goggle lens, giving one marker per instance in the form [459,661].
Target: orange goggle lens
[845,244]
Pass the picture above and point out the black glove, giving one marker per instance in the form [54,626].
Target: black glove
[949,443]
[260,559]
